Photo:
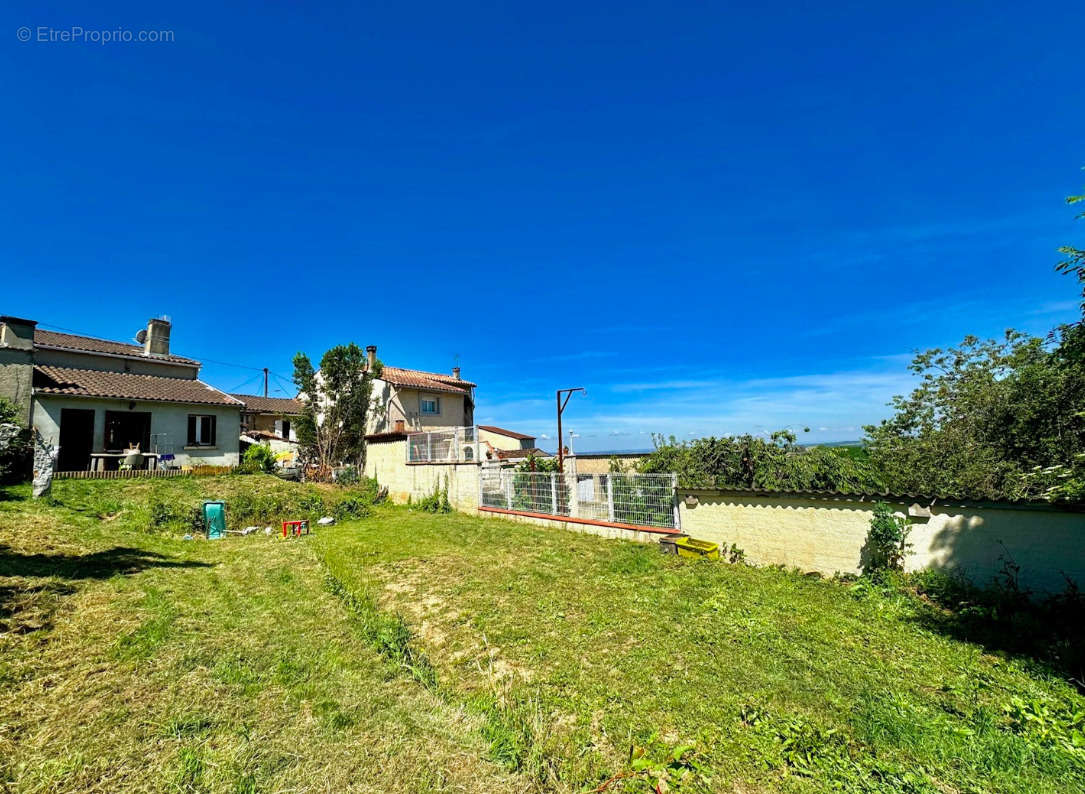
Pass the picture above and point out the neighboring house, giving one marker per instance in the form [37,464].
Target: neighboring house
[500,438]
[407,400]
[95,398]
[271,421]
[272,416]
[520,455]
[508,446]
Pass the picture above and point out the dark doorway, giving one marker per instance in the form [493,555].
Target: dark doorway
[124,430]
[76,439]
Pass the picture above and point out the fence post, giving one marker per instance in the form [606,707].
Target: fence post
[610,498]
[674,498]
[554,493]
[508,487]
[572,492]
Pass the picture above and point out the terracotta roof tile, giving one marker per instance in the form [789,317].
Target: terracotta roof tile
[271,405]
[507,433]
[126,386]
[430,381]
[88,344]
[513,454]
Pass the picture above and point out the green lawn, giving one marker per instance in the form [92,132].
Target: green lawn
[407,651]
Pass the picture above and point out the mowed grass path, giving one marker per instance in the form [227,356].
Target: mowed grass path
[417,652]
[132,662]
[580,648]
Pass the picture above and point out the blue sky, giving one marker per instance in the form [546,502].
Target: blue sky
[716,218]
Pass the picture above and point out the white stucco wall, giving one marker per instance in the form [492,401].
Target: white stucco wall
[168,418]
[386,462]
[827,535]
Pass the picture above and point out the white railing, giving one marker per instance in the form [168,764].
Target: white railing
[646,500]
[458,445]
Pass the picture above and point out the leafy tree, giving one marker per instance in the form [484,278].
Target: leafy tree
[993,418]
[332,427]
[1074,263]
[987,418]
[746,461]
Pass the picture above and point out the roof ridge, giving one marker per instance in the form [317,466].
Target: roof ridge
[438,376]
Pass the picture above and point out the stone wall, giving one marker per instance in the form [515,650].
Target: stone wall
[16,381]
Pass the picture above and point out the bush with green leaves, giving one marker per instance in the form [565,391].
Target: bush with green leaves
[348,475]
[774,463]
[436,502]
[350,506]
[259,458]
[15,454]
[886,541]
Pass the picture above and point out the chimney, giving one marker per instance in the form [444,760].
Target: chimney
[371,356]
[17,364]
[158,338]
[456,373]
[17,333]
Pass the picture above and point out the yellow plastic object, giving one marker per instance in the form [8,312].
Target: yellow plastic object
[698,549]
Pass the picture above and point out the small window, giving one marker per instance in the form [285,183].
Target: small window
[201,430]
[431,405]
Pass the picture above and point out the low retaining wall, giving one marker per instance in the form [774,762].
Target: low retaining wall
[827,534]
[386,461]
[603,529]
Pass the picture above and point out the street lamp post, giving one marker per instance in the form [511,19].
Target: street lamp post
[561,407]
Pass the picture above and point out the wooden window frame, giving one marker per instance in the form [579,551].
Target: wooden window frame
[196,428]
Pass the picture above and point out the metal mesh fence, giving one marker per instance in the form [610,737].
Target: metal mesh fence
[646,500]
[458,445]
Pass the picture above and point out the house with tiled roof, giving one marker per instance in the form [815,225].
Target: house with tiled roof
[501,440]
[411,400]
[270,417]
[97,400]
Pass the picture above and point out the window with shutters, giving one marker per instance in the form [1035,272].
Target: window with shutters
[201,430]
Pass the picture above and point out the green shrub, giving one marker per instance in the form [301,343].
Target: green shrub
[347,476]
[15,458]
[886,541]
[350,506]
[436,502]
[259,458]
